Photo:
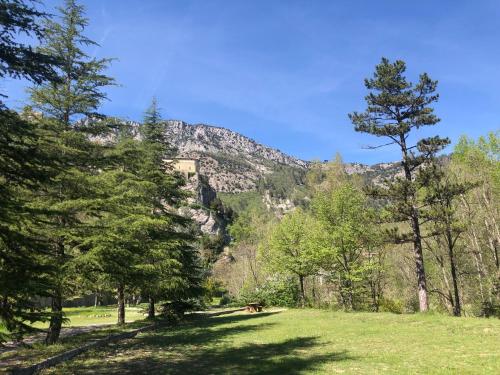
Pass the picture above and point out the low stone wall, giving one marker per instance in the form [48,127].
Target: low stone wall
[65,356]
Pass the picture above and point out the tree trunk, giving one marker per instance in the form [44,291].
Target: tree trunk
[419,263]
[151,308]
[457,311]
[373,293]
[121,304]
[302,292]
[313,292]
[56,320]
[417,237]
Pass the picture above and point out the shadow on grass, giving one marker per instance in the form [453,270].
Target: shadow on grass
[203,346]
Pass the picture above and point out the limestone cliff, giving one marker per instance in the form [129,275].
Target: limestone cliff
[232,162]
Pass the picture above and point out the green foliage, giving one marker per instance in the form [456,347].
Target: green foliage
[70,199]
[282,182]
[79,88]
[17,58]
[477,163]
[33,158]
[351,241]
[240,202]
[27,163]
[250,225]
[395,108]
[392,306]
[482,157]
[291,247]
[294,247]
[278,291]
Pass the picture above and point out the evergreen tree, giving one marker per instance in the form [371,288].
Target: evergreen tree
[25,164]
[72,193]
[18,59]
[396,108]
[137,242]
[81,80]
[164,250]
[117,244]
[153,127]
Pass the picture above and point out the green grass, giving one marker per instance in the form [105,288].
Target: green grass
[85,316]
[304,342]
[78,317]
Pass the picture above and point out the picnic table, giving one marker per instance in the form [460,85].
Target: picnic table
[253,307]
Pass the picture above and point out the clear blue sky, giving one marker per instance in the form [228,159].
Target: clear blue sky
[287,73]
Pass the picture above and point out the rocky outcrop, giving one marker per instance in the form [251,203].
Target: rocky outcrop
[280,206]
[199,206]
[231,162]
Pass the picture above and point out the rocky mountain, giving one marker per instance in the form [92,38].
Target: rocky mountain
[231,162]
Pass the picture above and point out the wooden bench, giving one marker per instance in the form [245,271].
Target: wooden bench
[253,307]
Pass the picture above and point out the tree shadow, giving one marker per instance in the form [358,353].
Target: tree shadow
[226,318]
[203,346]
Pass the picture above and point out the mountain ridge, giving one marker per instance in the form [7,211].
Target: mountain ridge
[231,161]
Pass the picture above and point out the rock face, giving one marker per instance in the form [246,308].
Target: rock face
[231,162]
[203,193]
[199,209]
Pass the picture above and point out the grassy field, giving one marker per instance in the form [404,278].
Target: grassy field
[85,316]
[304,342]
[78,317]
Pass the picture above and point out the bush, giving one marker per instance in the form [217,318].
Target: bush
[282,292]
[490,310]
[174,311]
[391,305]
[225,300]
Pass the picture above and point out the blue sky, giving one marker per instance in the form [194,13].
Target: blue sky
[287,73]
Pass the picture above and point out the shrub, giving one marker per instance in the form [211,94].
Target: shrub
[174,311]
[225,300]
[281,292]
[391,305]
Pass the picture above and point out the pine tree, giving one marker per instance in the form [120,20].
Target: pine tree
[167,195]
[18,59]
[25,164]
[117,244]
[137,242]
[153,127]
[81,80]
[396,108]
[78,91]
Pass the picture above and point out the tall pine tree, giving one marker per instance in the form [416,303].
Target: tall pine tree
[25,164]
[396,108]
[169,254]
[77,92]
[17,58]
